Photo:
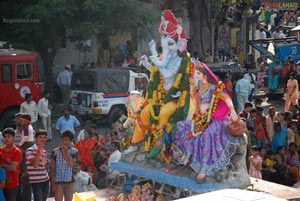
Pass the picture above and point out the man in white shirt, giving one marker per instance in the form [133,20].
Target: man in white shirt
[29,107]
[282,35]
[45,114]
[276,33]
[263,35]
[115,156]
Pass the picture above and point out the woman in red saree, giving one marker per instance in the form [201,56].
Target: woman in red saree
[84,147]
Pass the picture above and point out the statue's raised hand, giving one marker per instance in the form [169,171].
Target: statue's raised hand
[143,60]
[152,47]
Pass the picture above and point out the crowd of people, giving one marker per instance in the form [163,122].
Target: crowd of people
[273,135]
[273,142]
[79,163]
[275,17]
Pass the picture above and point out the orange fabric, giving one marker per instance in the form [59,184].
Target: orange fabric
[166,112]
[84,147]
[24,120]
[260,125]
[295,173]
[143,122]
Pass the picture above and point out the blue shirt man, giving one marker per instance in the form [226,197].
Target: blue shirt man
[67,122]
[64,78]
[64,82]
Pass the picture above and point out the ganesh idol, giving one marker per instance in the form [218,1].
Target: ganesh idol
[168,89]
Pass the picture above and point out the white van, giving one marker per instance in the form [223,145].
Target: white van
[102,93]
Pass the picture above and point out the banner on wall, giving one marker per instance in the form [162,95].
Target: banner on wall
[281,4]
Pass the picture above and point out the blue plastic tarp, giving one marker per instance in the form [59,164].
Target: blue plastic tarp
[284,51]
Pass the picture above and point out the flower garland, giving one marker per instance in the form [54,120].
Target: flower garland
[203,120]
[157,98]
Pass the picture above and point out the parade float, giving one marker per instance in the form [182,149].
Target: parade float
[186,132]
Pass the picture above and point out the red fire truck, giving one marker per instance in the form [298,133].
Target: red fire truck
[21,72]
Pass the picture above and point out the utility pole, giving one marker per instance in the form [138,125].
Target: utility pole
[243,39]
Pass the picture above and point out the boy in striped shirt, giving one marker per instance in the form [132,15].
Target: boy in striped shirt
[36,160]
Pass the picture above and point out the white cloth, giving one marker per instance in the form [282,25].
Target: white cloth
[114,157]
[195,60]
[80,135]
[29,138]
[262,35]
[241,100]
[31,109]
[82,180]
[248,77]
[282,35]
[276,34]
[290,136]
[272,19]
[1,139]
[43,109]
[45,115]
[46,125]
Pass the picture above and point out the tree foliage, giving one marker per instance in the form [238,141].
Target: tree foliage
[80,19]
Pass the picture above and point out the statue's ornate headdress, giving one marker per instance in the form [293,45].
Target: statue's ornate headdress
[169,26]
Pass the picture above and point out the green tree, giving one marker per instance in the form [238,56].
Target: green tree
[80,19]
